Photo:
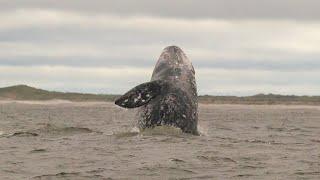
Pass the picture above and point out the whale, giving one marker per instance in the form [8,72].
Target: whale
[170,97]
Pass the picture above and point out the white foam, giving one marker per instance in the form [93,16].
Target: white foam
[135,130]
[202,131]
[163,130]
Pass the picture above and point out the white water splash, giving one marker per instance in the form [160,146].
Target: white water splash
[135,130]
[202,131]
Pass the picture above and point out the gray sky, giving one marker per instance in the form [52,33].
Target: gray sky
[237,47]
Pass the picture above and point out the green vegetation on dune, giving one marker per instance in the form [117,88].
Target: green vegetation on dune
[262,99]
[23,92]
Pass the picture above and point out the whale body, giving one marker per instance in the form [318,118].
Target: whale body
[170,98]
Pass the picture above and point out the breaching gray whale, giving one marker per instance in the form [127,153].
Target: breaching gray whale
[170,98]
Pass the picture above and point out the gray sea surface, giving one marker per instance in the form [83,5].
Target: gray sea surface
[64,140]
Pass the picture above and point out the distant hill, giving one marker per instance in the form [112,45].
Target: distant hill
[262,99]
[23,92]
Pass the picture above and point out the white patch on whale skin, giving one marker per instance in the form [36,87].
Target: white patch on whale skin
[138,98]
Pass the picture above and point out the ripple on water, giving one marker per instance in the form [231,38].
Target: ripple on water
[22,134]
[48,130]
[61,175]
[38,151]
[216,159]
[239,142]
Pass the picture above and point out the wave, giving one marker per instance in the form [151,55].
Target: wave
[49,130]
[58,175]
[1,133]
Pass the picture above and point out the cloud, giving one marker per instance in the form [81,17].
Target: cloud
[80,39]
[189,9]
[75,48]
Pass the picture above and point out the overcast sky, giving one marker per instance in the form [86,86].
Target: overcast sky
[237,47]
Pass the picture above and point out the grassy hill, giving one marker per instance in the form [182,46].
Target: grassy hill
[262,99]
[23,92]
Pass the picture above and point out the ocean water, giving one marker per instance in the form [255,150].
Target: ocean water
[63,140]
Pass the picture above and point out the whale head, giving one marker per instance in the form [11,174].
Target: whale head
[173,64]
[170,97]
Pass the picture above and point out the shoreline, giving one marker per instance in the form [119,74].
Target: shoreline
[62,101]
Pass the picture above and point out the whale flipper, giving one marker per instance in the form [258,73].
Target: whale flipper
[141,94]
